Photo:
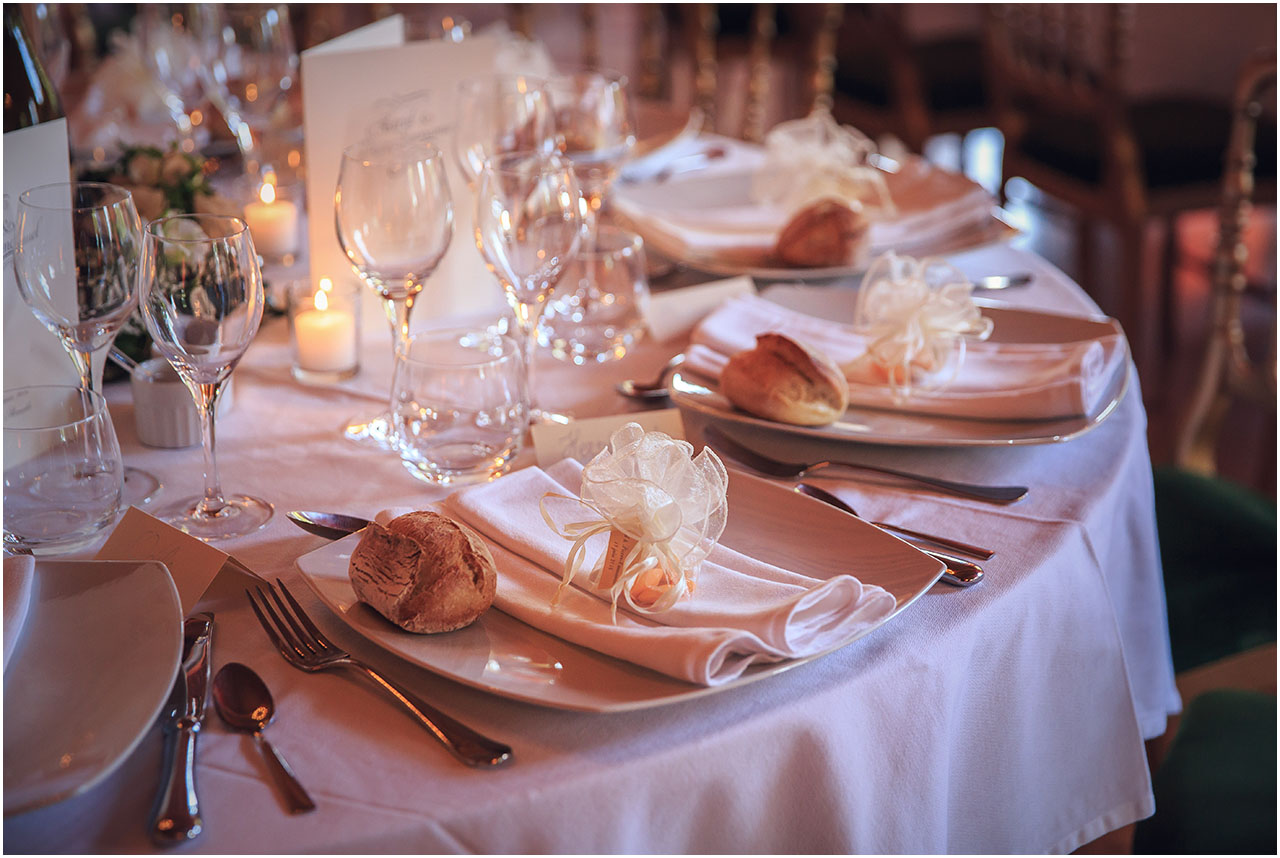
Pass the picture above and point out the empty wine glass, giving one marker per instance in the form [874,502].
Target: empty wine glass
[202,299]
[504,113]
[597,130]
[249,65]
[171,54]
[76,261]
[528,228]
[394,218]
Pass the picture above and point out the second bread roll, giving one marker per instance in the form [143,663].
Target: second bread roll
[781,379]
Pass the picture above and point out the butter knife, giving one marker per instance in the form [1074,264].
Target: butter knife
[178,811]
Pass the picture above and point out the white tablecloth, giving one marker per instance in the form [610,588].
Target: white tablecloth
[1004,718]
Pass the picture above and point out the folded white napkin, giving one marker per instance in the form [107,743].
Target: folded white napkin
[19,580]
[1035,366]
[710,214]
[743,611]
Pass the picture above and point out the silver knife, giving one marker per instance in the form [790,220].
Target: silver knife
[178,811]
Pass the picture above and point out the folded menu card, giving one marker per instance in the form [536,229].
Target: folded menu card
[744,611]
[1035,366]
[710,214]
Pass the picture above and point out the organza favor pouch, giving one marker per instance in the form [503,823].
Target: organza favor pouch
[663,509]
[917,316]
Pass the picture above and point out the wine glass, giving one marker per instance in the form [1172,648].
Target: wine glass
[394,218]
[597,131]
[202,299]
[249,65]
[76,260]
[503,113]
[171,54]
[528,228]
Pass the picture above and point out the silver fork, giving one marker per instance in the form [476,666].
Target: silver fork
[305,647]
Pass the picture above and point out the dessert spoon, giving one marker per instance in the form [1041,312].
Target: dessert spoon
[330,525]
[245,703]
[959,573]
[656,389]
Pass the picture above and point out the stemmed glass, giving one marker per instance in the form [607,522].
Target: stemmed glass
[76,260]
[528,228]
[394,218]
[171,53]
[503,113]
[597,131]
[202,299]
[250,64]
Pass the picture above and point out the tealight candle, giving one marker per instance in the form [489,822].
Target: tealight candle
[273,223]
[324,328]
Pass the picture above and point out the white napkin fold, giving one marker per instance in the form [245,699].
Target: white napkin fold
[19,580]
[710,214]
[743,612]
[1036,366]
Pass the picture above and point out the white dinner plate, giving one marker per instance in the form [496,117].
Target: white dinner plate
[504,656]
[99,654]
[902,428]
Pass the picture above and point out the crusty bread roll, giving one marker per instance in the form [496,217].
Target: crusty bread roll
[781,379]
[823,234]
[424,572]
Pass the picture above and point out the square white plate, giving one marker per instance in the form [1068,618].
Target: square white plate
[504,656]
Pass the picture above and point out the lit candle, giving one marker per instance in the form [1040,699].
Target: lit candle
[273,223]
[325,338]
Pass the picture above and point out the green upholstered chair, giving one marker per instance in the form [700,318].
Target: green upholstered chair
[1216,789]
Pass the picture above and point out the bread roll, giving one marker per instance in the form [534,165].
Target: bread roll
[424,572]
[824,234]
[781,379]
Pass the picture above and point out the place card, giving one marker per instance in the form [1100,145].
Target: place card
[583,439]
[192,564]
[371,83]
[676,312]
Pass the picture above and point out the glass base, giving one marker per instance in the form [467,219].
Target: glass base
[140,487]
[376,433]
[239,514]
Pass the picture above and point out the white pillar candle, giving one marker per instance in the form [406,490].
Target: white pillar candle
[273,223]
[325,338]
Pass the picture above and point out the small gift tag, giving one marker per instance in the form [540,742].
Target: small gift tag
[615,557]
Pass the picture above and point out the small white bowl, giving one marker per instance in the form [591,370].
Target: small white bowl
[163,411]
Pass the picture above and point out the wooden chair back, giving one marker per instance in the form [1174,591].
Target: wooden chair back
[1229,371]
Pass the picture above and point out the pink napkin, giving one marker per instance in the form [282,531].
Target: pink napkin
[19,579]
[1036,366]
[743,612]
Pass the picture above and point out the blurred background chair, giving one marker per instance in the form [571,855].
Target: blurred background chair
[1215,783]
[912,72]
[1057,78]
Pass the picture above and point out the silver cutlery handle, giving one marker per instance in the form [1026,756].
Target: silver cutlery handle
[179,817]
[960,573]
[997,494]
[464,743]
[943,541]
[294,793]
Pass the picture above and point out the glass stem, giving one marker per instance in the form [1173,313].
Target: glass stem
[527,316]
[398,310]
[206,405]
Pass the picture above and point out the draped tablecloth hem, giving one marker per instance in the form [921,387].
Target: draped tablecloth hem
[1125,814]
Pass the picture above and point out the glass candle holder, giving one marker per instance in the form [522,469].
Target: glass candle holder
[274,219]
[324,330]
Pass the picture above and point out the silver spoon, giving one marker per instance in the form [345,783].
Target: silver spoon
[959,573]
[245,704]
[656,389]
[996,282]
